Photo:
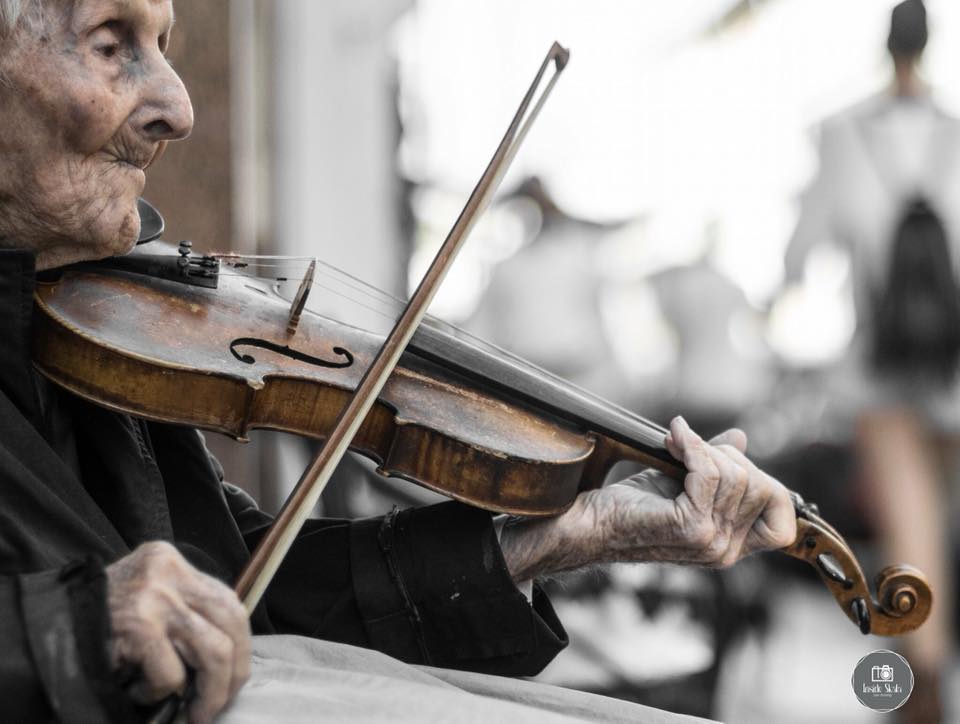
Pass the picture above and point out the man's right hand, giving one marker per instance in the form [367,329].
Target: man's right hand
[164,612]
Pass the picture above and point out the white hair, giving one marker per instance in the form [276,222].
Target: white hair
[9,15]
[29,14]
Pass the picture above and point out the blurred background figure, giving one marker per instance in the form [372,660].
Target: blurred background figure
[721,369]
[888,188]
[556,276]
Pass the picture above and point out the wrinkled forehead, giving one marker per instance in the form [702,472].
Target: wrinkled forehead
[76,15]
[90,13]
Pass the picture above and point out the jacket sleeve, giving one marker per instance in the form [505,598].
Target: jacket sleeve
[53,631]
[425,585]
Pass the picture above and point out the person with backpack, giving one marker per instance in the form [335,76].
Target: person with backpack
[888,192]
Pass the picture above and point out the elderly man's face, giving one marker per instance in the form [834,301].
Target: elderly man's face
[86,103]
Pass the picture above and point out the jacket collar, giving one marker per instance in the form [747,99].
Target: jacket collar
[17,378]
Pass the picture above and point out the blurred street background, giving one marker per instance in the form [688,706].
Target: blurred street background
[695,226]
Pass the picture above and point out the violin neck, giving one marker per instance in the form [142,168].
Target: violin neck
[620,434]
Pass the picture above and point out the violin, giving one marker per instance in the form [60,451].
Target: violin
[170,337]
[460,418]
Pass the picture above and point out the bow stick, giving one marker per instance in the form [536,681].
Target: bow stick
[275,544]
[273,547]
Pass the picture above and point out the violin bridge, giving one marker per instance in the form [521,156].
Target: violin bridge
[300,300]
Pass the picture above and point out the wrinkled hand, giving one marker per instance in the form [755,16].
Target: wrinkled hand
[726,509]
[164,612]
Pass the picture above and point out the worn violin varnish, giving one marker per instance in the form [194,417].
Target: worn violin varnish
[169,352]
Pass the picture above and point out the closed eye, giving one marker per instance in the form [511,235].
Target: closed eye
[108,39]
[108,51]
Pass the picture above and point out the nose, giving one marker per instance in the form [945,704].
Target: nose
[166,113]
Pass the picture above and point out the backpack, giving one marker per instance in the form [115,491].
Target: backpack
[916,315]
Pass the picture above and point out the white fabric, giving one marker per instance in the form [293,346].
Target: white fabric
[296,680]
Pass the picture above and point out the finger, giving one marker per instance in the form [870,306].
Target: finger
[758,492]
[163,671]
[776,527]
[219,605]
[210,651]
[734,437]
[766,496]
[733,486]
[703,476]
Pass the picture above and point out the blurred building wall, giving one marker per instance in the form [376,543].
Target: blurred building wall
[335,135]
[293,152]
[192,183]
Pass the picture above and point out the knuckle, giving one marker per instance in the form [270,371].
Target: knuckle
[168,679]
[161,557]
[783,538]
[157,596]
[735,475]
[727,560]
[134,638]
[142,609]
[712,539]
[220,649]
[717,550]
[702,534]
[741,474]
[229,599]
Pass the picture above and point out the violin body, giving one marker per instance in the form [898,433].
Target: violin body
[223,360]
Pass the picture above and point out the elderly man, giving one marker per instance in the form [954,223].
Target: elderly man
[119,539]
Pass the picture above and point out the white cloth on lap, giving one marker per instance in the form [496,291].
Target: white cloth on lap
[297,680]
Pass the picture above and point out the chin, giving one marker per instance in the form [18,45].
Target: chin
[117,233]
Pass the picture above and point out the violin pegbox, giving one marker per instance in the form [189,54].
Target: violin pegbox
[903,599]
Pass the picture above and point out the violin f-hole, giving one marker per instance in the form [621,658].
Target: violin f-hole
[286,351]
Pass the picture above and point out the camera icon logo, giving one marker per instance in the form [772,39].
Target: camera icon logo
[881,674]
[882,680]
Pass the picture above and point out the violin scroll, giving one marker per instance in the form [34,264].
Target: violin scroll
[903,593]
[903,599]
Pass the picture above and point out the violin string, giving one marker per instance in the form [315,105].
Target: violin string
[439,325]
[391,303]
[261,258]
[394,305]
[330,289]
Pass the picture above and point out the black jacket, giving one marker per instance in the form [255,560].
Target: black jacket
[81,486]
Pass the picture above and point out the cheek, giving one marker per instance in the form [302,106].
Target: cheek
[80,105]
[92,119]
